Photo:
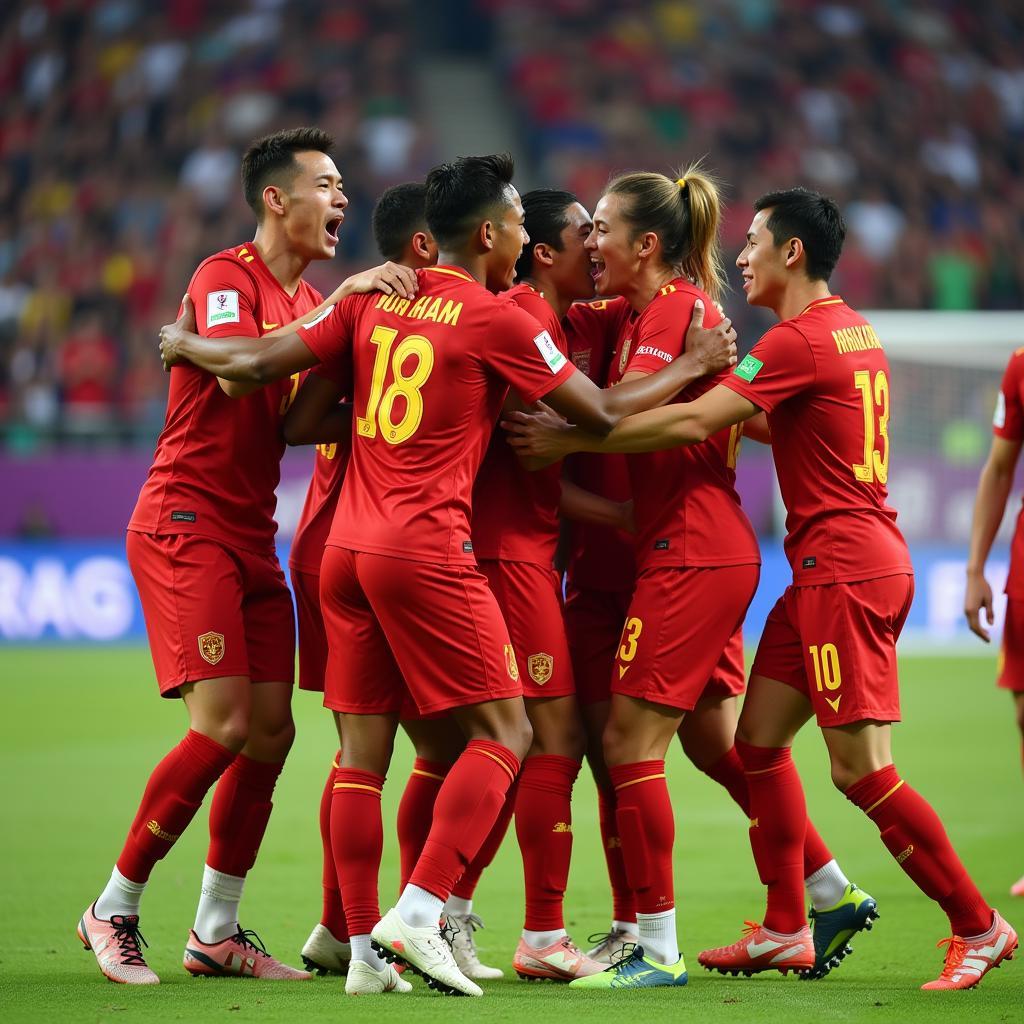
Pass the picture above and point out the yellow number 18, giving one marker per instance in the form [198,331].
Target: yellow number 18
[380,405]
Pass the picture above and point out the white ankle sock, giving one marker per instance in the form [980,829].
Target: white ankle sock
[826,886]
[121,896]
[624,926]
[362,950]
[540,940]
[217,913]
[419,908]
[658,936]
[458,906]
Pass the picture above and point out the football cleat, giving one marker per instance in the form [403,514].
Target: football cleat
[364,980]
[324,954]
[561,961]
[610,947]
[117,944]
[969,960]
[423,950]
[1017,889]
[240,956]
[832,930]
[762,950]
[634,970]
[461,928]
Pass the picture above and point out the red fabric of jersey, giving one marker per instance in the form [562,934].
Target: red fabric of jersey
[430,376]
[1008,423]
[823,379]
[686,507]
[217,461]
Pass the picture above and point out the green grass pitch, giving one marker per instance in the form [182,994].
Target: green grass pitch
[81,730]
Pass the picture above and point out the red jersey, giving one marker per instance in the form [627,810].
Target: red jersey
[217,462]
[823,379]
[1008,423]
[307,550]
[515,511]
[600,558]
[685,503]
[430,376]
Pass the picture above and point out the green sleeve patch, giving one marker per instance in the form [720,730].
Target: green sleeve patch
[748,368]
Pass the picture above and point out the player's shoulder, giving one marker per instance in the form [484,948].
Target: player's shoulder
[527,298]
[231,266]
[680,296]
[1015,364]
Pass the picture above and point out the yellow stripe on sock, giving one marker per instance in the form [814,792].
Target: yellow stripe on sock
[357,785]
[884,798]
[636,782]
[427,775]
[496,759]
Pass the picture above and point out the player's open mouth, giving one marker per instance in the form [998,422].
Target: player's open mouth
[747,280]
[596,269]
[332,229]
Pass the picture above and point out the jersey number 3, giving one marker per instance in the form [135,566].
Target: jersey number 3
[380,406]
[875,397]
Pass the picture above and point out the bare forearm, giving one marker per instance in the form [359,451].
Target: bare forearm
[234,359]
[586,507]
[654,389]
[989,506]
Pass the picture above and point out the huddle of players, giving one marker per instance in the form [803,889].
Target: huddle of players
[408,612]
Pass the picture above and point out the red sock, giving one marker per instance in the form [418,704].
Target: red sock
[332,917]
[778,826]
[239,814]
[416,812]
[357,842]
[466,885]
[623,897]
[727,771]
[647,828]
[913,834]
[544,831]
[173,794]
[467,806]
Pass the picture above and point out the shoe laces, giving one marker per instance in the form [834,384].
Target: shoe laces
[956,950]
[749,928]
[626,954]
[126,931]
[246,937]
[610,941]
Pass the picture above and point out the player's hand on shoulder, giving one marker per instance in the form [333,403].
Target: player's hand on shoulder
[389,278]
[172,336]
[978,597]
[540,433]
[713,347]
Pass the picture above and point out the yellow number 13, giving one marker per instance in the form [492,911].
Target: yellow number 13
[380,406]
[876,464]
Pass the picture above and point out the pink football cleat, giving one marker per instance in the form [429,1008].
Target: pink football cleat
[561,961]
[762,950]
[1017,889]
[241,956]
[117,944]
[969,960]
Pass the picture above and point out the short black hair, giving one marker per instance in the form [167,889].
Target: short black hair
[271,161]
[546,219]
[400,212]
[814,219]
[462,193]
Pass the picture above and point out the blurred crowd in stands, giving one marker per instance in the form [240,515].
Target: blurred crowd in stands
[122,123]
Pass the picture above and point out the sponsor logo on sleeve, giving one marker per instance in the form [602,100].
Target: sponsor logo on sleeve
[322,315]
[221,308]
[999,419]
[549,351]
[748,368]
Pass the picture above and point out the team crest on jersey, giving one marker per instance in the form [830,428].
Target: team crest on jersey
[510,663]
[211,647]
[624,358]
[581,360]
[540,667]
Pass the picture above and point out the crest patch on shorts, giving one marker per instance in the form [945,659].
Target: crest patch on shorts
[211,647]
[540,667]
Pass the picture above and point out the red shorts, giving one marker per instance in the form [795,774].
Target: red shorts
[212,610]
[682,634]
[593,625]
[312,635]
[394,624]
[1010,670]
[836,644]
[530,599]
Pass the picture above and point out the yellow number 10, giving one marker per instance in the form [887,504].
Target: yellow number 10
[876,464]
[380,406]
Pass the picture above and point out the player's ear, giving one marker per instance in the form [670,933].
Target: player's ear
[794,250]
[421,245]
[647,242]
[543,254]
[274,199]
[485,235]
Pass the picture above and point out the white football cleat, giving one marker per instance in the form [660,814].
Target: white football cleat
[324,954]
[423,950]
[364,980]
[462,927]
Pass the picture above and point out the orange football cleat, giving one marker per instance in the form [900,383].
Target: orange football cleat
[762,950]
